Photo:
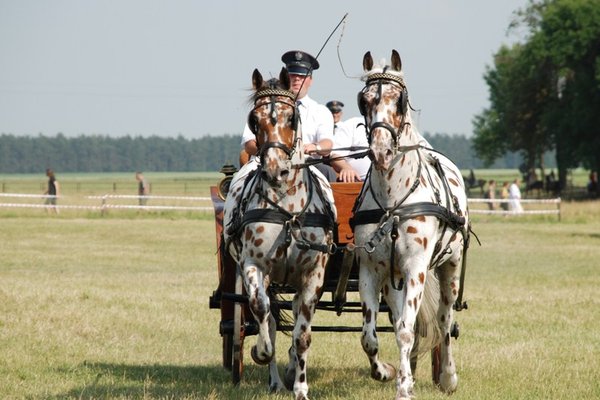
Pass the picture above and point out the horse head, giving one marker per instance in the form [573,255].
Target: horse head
[274,122]
[384,104]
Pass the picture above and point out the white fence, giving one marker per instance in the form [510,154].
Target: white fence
[526,211]
[111,201]
[107,202]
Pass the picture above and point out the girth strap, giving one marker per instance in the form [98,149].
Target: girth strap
[409,211]
[277,217]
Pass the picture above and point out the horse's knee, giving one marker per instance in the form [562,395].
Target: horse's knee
[405,337]
[303,342]
[260,305]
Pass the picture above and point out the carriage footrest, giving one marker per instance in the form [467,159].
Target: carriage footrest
[226,328]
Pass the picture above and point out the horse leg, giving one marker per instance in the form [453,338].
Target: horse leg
[449,277]
[275,384]
[259,302]
[405,305]
[304,309]
[369,294]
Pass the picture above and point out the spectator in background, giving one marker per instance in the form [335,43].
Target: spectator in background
[592,185]
[504,196]
[52,192]
[143,188]
[514,194]
[491,193]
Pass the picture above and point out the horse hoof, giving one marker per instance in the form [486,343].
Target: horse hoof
[275,388]
[388,373]
[258,360]
[448,382]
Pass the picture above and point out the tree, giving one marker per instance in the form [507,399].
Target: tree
[544,93]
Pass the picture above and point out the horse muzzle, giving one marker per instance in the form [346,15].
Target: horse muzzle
[275,171]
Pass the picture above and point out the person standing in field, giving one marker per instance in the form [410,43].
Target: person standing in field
[143,188]
[514,194]
[491,193]
[504,196]
[52,192]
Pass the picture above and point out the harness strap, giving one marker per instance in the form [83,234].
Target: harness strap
[409,211]
[277,217]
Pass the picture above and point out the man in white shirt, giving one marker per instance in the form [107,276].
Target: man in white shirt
[317,122]
[349,133]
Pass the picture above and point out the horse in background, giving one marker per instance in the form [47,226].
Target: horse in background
[411,228]
[472,182]
[279,219]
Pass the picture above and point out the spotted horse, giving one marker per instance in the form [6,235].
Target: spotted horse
[411,228]
[279,220]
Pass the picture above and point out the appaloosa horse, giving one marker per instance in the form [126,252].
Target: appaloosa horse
[411,229]
[279,218]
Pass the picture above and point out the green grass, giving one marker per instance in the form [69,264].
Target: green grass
[117,308]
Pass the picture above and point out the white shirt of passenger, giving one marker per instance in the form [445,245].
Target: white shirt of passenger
[351,133]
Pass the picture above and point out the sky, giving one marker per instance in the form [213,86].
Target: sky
[184,67]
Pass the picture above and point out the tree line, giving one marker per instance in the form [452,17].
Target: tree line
[33,154]
[544,90]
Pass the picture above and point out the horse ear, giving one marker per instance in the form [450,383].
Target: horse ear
[284,78]
[367,61]
[257,80]
[396,61]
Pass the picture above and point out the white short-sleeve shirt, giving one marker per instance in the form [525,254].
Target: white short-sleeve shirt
[349,133]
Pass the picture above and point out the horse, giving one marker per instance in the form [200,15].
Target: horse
[280,219]
[411,231]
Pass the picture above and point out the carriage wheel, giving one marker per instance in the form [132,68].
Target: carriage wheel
[227,351]
[238,334]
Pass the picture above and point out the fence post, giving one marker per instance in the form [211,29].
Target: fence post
[103,207]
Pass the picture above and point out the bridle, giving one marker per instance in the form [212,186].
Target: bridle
[274,96]
[401,105]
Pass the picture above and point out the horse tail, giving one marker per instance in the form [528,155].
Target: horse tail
[427,327]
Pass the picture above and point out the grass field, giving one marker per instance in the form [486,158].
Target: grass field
[117,308]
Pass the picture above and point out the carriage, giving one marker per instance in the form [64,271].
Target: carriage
[400,240]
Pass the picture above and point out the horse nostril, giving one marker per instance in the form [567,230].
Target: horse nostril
[285,173]
[389,153]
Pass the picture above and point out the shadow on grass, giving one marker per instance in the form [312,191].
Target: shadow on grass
[106,381]
[587,235]
[124,381]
